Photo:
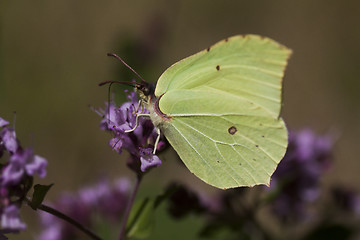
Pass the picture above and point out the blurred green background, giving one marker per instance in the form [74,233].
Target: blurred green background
[53,55]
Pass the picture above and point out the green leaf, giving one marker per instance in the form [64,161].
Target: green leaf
[39,194]
[141,220]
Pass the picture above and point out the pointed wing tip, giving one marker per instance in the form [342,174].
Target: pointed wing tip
[288,51]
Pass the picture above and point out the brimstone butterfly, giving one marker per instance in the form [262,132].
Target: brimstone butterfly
[219,109]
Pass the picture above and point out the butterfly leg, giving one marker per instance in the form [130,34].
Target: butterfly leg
[138,106]
[137,121]
[157,140]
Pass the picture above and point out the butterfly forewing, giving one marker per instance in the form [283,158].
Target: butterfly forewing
[248,66]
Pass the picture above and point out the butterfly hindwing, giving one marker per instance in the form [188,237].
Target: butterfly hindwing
[227,150]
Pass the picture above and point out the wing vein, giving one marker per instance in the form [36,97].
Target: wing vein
[248,92]
[215,141]
[257,69]
[229,165]
[197,153]
[229,144]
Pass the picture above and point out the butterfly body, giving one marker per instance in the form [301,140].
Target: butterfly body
[220,109]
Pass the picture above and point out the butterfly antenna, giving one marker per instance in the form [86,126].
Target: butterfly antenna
[119,58]
[132,84]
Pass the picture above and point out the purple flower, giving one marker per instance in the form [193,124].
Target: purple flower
[140,142]
[21,163]
[103,201]
[298,174]
[16,173]
[10,218]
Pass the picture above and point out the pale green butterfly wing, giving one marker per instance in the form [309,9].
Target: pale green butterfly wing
[245,159]
[250,67]
[225,146]
[224,104]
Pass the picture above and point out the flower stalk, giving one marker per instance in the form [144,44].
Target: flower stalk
[66,218]
[128,207]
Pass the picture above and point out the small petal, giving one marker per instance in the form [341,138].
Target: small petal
[148,160]
[10,218]
[116,144]
[9,139]
[12,174]
[161,145]
[109,120]
[37,165]
[3,122]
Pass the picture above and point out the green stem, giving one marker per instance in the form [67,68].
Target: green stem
[128,208]
[66,218]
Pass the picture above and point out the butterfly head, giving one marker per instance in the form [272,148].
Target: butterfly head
[145,90]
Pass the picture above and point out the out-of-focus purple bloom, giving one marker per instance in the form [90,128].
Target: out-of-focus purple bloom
[297,176]
[109,200]
[347,199]
[103,201]
[53,232]
[140,142]
[10,218]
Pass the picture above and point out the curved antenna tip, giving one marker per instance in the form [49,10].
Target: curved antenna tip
[120,59]
[103,83]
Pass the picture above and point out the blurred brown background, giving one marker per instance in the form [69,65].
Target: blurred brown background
[53,55]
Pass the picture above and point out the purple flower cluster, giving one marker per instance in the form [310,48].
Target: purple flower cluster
[16,177]
[297,177]
[140,142]
[89,206]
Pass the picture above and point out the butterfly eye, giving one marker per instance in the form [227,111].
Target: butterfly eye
[145,90]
